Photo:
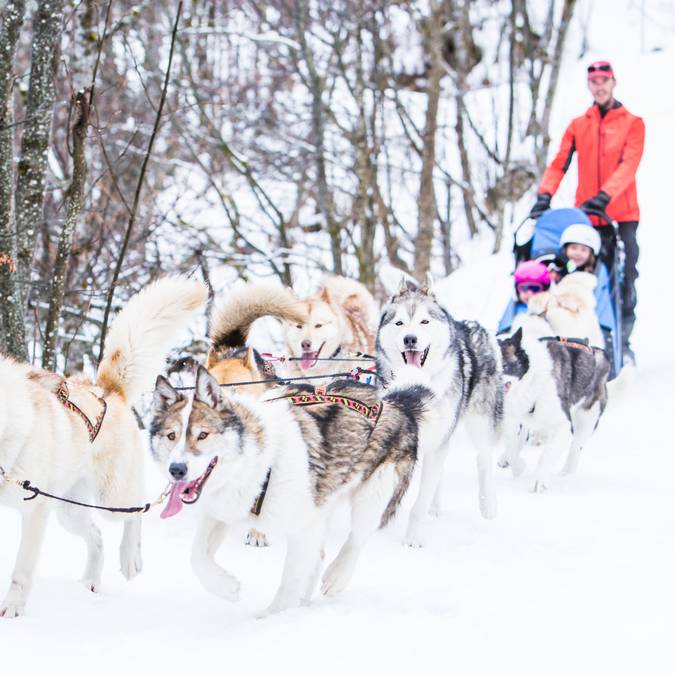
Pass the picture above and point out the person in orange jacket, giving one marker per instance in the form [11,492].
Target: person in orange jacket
[609,142]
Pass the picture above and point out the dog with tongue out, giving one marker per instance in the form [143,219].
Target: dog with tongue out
[463,365]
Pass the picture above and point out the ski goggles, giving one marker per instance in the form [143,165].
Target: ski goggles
[602,69]
[531,287]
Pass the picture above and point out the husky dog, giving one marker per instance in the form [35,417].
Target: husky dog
[339,320]
[464,367]
[569,308]
[236,451]
[556,394]
[94,454]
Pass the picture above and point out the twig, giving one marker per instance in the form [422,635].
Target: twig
[137,194]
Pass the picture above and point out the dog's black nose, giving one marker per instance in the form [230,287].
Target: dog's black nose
[178,470]
[410,341]
[306,345]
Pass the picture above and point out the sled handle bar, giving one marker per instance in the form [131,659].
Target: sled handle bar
[604,216]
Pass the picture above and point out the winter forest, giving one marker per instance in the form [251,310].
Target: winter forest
[242,140]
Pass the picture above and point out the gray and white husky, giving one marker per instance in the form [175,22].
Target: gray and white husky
[556,395]
[234,449]
[463,364]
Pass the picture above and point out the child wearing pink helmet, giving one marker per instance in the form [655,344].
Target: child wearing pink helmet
[531,277]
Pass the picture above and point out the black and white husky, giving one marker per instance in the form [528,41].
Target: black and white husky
[557,392]
[300,460]
[463,365]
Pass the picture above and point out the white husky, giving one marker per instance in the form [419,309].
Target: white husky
[97,453]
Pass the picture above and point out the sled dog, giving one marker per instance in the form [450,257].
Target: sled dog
[299,460]
[94,455]
[340,321]
[569,308]
[556,395]
[464,366]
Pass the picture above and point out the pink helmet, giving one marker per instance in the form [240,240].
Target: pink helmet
[532,272]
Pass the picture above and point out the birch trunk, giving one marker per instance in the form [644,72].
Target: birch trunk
[13,329]
[47,28]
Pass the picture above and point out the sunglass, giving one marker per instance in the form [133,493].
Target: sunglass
[532,286]
[605,68]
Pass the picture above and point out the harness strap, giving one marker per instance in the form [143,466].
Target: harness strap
[319,397]
[575,343]
[63,394]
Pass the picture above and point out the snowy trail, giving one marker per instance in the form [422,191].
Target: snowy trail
[578,580]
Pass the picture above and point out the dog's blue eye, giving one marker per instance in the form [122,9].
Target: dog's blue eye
[202,435]
[424,321]
[399,323]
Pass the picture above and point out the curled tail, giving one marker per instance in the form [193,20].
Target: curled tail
[143,332]
[232,318]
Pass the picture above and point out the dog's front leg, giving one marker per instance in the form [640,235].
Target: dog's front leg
[432,470]
[553,448]
[211,575]
[303,555]
[514,439]
[33,525]
[131,561]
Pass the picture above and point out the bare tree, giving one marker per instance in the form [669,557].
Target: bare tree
[14,337]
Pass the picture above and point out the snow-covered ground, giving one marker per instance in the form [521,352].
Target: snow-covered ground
[578,580]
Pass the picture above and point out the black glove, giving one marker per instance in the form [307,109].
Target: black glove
[596,204]
[542,204]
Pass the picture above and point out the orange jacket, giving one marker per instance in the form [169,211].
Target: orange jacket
[609,151]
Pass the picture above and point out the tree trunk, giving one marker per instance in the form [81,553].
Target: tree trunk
[467,188]
[325,200]
[427,200]
[74,197]
[47,27]
[14,332]
[542,152]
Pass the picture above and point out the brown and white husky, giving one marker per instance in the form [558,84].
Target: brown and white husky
[93,455]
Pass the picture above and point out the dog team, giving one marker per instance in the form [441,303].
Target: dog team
[284,452]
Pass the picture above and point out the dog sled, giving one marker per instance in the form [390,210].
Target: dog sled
[539,240]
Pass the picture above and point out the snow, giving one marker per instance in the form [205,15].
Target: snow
[578,580]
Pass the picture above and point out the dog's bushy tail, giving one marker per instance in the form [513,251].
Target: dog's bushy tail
[232,319]
[143,332]
[405,472]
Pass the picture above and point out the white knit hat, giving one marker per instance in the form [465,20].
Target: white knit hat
[581,233]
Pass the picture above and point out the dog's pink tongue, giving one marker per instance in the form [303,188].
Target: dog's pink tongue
[414,358]
[308,360]
[175,504]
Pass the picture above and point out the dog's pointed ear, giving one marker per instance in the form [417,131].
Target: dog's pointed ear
[207,389]
[211,358]
[517,336]
[428,286]
[251,363]
[325,295]
[165,394]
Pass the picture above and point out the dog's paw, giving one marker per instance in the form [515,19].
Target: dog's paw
[517,466]
[335,579]
[10,609]
[538,486]
[131,561]
[503,462]
[256,538]
[488,508]
[227,587]
[92,585]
